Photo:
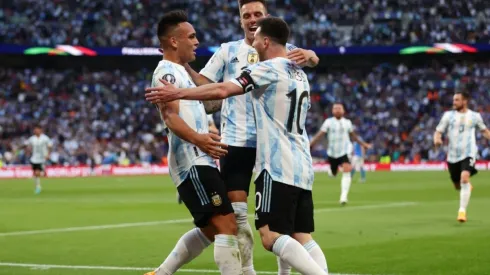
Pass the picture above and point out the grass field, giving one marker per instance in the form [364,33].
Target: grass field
[396,223]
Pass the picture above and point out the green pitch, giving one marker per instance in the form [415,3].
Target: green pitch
[396,223]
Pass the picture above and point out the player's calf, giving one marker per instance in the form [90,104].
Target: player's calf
[226,252]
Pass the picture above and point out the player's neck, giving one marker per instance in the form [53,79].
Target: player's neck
[463,110]
[173,57]
[276,51]
[248,41]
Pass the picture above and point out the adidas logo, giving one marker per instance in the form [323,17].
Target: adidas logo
[234,60]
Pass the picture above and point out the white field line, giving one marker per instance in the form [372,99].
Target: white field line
[178,221]
[123,268]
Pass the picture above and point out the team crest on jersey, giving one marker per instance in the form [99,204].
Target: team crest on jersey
[253,58]
[170,78]
[216,199]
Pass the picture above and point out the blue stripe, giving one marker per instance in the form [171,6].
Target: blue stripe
[198,186]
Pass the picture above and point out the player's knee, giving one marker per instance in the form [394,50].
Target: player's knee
[347,168]
[302,238]
[225,224]
[237,196]
[267,237]
[465,176]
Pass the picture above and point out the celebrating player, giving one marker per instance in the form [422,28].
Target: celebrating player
[192,168]
[460,124]
[339,131]
[237,119]
[40,146]
[280,95]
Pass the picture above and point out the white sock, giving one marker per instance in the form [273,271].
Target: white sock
[245,237]
[345,186]
[317,254]
[189,246]
[227,254]
[295,255]
[464,196]
[283,267]
[37,181]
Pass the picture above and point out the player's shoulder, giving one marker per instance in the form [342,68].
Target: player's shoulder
[168,70]
[232,44]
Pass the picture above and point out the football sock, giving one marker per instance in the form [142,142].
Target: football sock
[295,255]
[245,237]
[464,196]
[190,245]
[315,252]
[345,186]
[227,254]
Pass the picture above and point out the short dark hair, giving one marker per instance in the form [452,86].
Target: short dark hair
[244,2]
[170,20]
[37,126]
[464,94]
[275,28]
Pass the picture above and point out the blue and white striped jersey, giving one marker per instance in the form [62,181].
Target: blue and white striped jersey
[237,119]
[460,128]
[280,95]
[338,136]
[182,155]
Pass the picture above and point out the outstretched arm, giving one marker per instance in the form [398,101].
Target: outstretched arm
[486,133]
[437,138]
[212,91]
[317,138]
[211,106]
[304,58]
[356,138]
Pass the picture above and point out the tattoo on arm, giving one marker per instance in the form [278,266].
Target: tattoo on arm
[212,106]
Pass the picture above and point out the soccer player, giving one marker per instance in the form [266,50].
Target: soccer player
[339,131]
[40,146]
[359,153]
[280,95]
[237,119]
[460,125]
[191,166]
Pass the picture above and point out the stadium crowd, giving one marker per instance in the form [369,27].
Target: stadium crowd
[102,118]
[132,23]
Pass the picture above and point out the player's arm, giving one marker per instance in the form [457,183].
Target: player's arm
[208,143]
[482,127]
[440,129]
[250,79]
[363,152]
[354,136]
[303,57]
[50,147]
[321,133]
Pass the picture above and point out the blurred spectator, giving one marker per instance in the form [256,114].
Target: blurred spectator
[133,23]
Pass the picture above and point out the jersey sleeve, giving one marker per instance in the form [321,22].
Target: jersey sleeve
[168,73]
[350,127]
[443,124]
[48,141]
[290,47]
[325,125]
[215,68]
[255,77]
[480,124]
[28,142]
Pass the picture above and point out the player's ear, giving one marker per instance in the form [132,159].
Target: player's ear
[173,41]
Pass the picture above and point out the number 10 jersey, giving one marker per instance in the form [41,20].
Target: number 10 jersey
[281,98]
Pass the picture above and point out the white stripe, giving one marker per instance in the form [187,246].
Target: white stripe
[127,268]
[69,49]
[137,224]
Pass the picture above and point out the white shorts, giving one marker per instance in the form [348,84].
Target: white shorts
[357,162]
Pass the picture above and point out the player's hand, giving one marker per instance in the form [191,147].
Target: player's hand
[368,146]
[300,56]
[437,142]
[211,145]
[162,94]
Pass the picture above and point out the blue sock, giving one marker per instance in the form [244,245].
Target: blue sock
[363,174]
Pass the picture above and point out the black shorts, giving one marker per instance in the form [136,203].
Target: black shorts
[286,209]
[455,169]
[204,194]
[237,168]
[336,162]
[37,166]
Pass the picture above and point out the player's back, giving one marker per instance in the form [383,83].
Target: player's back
[461,132]
[280,106]
[182,155]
